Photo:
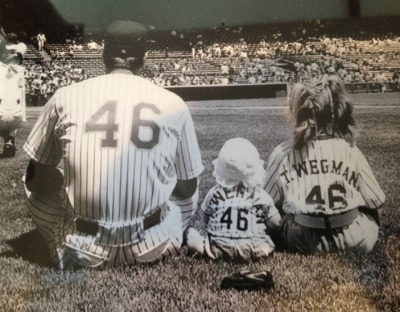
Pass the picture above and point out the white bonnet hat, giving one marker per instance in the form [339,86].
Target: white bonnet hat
[238,161]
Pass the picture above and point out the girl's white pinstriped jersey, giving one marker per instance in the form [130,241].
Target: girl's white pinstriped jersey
[325,176]
[124,143]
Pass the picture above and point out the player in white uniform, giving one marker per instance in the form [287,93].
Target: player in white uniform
[127,146]
[320,179]
[236,215]
[12,93]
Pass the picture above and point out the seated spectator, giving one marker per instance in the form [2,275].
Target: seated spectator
[396,81]
[92,45]
[216,50]
[224,69]
[252,79]
[242,44]
[77,47]
[227,50]
[259,78]
[263,43]
[202,81]
[195,80]
[71,52]
[381,80]
[243,55]
[224,80]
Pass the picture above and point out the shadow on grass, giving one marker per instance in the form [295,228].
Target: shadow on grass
[3,156]
[374,273]
[30,247]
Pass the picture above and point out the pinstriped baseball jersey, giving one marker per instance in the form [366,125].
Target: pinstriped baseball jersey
[325,176]
[238,212]
[124,142]
[12,97]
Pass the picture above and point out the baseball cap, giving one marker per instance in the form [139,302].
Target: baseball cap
[124,38]
[15,52]
[238,161]
[19,48]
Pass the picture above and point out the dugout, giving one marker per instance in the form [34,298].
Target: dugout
[229,92]
[207,92]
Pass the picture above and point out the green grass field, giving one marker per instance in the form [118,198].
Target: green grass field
[324,282]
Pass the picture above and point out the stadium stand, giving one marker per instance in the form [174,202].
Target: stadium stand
[364,54]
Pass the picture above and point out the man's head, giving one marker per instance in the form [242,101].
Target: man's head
[125,45]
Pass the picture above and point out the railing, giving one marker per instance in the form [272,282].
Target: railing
[374,87]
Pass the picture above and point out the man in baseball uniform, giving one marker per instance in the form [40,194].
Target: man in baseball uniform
[320,179]
[237,215]
[12,93]
[114,159]
[41,40]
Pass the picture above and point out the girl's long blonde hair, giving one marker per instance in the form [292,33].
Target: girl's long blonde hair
[321,110]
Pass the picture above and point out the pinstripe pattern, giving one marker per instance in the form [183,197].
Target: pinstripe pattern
[248,210]
[337,178]
[237,222]
[8,123]
[188,207]
[69,248]
[360,235]
[324,177]
[124,143]
[12,98]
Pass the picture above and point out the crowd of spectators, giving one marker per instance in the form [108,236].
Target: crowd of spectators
[280,61]
[42,80]
[68,50]
[303,54]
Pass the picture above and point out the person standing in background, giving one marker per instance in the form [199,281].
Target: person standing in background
[12,93]
[41,39]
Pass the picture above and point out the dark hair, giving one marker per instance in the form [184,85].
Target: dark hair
[12,38]
[321,110]
[112,61]
[20,58]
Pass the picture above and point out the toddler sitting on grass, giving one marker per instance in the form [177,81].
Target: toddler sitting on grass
[236,216]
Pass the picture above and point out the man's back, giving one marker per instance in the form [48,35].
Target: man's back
[121,138]
[131,164]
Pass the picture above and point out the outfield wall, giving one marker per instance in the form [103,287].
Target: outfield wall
[229,92]
[241,91]
[206,92]
[270,90]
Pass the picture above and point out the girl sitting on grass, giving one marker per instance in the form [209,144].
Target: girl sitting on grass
[320,179]
[236,214]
